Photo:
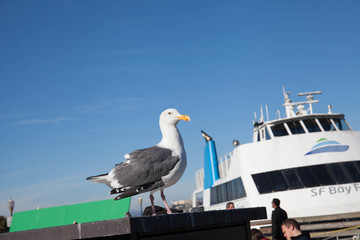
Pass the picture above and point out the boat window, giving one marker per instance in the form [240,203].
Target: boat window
[221,195]
[292,179]
[322,175]
[276,181]
[295,127]
[341,124]
[267,136]
[308,177]
[353,171]
[263,134]
[237,188]
[311,125]
[339,173]
[199,198]
[357,165]
[213,195]
[279,130]
[262,183]
[230,190]
[227,191]
[326,124]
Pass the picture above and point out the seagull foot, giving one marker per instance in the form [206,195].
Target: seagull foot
[116,190]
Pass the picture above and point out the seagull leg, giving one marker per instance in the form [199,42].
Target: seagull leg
[152,204]
[165,202]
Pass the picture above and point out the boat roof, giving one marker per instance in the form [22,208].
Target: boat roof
[300,114]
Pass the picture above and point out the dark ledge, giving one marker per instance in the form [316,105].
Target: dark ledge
[223,224]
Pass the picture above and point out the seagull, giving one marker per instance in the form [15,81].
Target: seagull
[150,169]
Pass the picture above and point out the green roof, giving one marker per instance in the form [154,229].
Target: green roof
[68,214]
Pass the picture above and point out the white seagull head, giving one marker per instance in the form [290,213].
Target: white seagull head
[171,116]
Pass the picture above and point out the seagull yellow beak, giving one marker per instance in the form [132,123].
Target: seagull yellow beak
[184,117]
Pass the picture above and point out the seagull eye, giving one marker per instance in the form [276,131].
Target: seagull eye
[169,113]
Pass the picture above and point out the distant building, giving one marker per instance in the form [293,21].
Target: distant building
[182,205]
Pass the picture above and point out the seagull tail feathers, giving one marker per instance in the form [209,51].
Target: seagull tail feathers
[99,178]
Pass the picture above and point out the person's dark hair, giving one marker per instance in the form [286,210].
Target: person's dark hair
[291,222]
[158,210]
[228,204]
[256,234]
[276,201]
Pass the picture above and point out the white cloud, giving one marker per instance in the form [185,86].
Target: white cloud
[75,113]
[55,120]
[85,109]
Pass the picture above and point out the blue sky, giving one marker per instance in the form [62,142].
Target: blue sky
[83,82]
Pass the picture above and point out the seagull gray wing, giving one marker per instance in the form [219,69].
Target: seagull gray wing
[145,166]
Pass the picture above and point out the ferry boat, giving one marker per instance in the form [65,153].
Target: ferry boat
[310,161]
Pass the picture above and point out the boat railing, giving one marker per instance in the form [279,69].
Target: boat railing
[224,163]
[199,177]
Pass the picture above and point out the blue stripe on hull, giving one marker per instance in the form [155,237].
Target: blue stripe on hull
[325,143]
[336,148]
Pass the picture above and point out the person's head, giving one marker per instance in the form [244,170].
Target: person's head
[256,234]
[230,205]
[275,203]
[290,228]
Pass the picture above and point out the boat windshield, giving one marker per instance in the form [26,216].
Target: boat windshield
[326,124]
[295,127]
[342,124]
[279,130]
[311,125]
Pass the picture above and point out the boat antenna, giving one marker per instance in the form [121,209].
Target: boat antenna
[267,112]
[329,108]
[289,106]
[310,99]
[277,114]
[286,95]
